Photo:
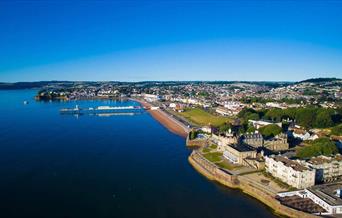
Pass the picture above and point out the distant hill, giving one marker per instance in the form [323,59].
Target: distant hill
[41,84]
[27,85]
[320,80]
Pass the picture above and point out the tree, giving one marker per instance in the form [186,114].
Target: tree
[193,134]
[251,129]
[306,117]
[270,130]
[337,130]
[274,114]
[225,127]
[323,119]
[321,146]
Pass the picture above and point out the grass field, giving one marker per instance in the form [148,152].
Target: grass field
[214,156]
[227,165]
[202,117]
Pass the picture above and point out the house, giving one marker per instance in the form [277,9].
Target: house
[289,171]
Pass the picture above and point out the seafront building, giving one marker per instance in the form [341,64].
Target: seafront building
[327,168]
[238,153]
[289,171]
[320,199]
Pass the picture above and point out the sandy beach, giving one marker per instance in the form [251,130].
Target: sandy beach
[170,123]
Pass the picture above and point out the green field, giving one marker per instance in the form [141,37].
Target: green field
[213,156]
[228,166]
[202,117]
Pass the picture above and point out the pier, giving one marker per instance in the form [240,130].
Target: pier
[101,110]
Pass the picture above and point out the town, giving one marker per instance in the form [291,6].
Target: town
[278,141]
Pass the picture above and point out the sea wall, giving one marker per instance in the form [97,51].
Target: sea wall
[196,142]
[212,172]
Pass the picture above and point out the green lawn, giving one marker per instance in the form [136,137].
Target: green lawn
[213,146]
[227,166]
[206,150]
[202,117]
[214,156]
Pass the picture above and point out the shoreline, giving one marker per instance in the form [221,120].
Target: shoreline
[165,119]
[236,182]
[214,174]
[272,204]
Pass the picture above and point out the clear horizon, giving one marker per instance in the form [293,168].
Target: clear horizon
[170,41]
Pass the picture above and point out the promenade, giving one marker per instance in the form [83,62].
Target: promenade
[166,119]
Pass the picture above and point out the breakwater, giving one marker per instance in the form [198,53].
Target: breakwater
[214,173]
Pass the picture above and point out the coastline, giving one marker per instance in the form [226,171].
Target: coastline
[166,120]
[213,173]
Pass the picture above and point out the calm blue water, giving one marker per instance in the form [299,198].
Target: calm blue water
[54,165]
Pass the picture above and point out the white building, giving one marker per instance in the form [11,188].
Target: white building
[223,111]
[327,168]
[152,98]
[260,123]
[327,196]
[303,134]
[289,171]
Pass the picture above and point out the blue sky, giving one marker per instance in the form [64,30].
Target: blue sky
[169,40]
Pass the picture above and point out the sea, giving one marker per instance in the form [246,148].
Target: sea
[56,165]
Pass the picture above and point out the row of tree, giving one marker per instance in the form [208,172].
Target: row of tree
[321,146]
[309,117]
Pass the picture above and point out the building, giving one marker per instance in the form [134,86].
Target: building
[260,123]
[207,129]
[253,139]
[327,168]
[278,143]
[289,171]
[304,135]
[223,140]
[234,107]
[328,196]
[238,153]
[223,111]
[152,98]
[320,199]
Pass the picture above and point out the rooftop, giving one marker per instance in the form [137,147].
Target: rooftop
[291,163]
[324,159]
[242,147]
[328,193]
